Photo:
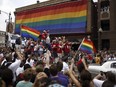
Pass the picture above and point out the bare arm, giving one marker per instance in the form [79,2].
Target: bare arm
[75,81]
[20,56]
[85,65]
[47,59]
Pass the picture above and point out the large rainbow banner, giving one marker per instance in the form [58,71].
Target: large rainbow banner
[63,18]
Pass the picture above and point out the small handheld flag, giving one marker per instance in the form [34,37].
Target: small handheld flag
[29,32]
[87,46]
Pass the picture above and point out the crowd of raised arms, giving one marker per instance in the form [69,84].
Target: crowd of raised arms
[51,63]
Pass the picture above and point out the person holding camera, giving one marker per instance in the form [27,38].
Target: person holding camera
[105,79]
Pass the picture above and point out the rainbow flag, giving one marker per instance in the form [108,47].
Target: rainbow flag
[29,32]
[87,46]
[61,18]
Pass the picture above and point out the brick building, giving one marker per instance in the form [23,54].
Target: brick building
[74,19]
[106,21]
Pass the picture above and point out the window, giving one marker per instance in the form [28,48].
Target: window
[105,24]
[113,65]
[105,44]
[105,9]
[105,4]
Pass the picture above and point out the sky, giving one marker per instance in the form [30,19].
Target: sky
[9,6]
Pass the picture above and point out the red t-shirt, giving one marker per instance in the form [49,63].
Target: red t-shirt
[59,49]
[66,48]
[43,36]
[54,47]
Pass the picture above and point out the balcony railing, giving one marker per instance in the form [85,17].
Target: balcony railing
[105,13]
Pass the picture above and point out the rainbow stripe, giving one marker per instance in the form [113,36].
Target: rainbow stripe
[67,17]
[87,46]
[29,32]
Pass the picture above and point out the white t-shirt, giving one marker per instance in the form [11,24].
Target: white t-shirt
[14,67]
[19,70]
[65,67]
[48,39]
[31,63]
[36,47]
[97,83]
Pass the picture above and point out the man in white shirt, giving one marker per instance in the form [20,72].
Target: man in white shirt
[13,66]
[65,64]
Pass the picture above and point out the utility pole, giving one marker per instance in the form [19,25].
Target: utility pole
[9,17]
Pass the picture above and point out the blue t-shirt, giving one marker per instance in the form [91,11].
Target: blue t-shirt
[60,74]
[60,80]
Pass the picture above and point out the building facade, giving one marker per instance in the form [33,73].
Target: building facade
[106,24]
[74,19]
[2,39]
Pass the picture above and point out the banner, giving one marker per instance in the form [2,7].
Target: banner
[63,18]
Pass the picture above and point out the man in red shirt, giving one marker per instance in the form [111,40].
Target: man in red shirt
[60,49]
[54,48]
[67,48]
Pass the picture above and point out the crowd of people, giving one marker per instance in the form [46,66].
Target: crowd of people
[51,63]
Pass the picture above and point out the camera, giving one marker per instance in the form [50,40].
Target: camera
[102,73]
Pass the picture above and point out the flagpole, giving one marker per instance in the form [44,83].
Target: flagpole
[81,43]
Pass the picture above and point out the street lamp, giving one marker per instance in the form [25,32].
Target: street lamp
[99,38]
[9,27]
[38,1]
